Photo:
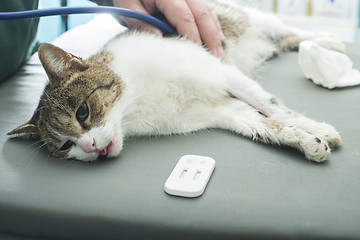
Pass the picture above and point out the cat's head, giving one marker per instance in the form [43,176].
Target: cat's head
[79,112]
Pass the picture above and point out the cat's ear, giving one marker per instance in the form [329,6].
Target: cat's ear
[27,130]
[58,64]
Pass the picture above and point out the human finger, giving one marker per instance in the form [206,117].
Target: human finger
[208,26]
[136,5]
[178,13]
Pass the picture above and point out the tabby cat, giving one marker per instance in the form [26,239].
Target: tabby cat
[140,84]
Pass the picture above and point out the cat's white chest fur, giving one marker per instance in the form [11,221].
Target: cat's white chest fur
[163,77]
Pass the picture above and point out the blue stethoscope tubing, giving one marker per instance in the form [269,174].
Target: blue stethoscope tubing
[81,10]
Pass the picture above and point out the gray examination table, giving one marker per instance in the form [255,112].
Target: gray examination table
[256,191]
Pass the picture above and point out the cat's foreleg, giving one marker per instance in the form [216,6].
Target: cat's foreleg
[281,125]
[314,148]
[324,131]
[237,116]
[244,88]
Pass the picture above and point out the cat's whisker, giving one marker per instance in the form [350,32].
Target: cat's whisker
[47,160]
[33,149]
[32,153]
[47,141]
[34,143]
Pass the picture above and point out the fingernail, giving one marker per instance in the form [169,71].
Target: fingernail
[222,35]
[220,52]
[158,32]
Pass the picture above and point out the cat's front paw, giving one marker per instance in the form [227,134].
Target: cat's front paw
[327,133]
[333,139]
[315,149]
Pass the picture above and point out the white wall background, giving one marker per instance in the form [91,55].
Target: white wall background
[338,16]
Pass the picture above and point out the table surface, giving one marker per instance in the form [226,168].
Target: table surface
[256,190]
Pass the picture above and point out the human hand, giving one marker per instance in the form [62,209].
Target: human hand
[191,18]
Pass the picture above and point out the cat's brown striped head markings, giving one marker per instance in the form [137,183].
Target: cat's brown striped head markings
[78,97]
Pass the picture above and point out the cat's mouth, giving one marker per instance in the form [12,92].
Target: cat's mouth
[107,149]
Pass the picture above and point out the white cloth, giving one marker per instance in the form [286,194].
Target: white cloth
[326,67]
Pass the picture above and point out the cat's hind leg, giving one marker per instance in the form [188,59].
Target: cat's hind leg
[270,28]
[291,38]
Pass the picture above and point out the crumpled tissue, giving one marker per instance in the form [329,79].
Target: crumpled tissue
[326,67]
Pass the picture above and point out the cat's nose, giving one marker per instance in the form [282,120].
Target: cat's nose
[89,146]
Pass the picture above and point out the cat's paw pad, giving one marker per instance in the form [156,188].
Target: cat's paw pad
[333,139]
[316,149]
[330,41]
[328,133]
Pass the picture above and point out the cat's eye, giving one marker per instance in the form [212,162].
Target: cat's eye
[66,145]
[82,113]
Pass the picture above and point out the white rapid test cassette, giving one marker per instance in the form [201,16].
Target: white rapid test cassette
[190,176]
